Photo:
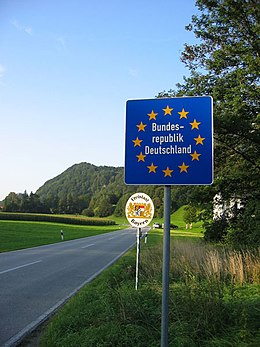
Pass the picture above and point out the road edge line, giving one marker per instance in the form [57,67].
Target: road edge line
[17,339]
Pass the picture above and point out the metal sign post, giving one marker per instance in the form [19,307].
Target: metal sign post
[138,233]
[139,212]
[166,267]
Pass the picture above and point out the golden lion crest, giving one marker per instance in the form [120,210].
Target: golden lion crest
[139,210]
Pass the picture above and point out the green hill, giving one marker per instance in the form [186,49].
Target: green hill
[92,190]
[79,179]
[99,191]
[80,186]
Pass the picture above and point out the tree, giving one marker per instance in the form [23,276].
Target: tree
[120,206]
[226,64]
[35,204]
[25,202]
[104,207]
[12,203]
[88,212]
[190,215]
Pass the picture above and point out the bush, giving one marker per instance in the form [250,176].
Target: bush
[244,230]
[88,212]
[216,230]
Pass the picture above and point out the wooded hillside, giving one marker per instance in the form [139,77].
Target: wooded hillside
[92,190]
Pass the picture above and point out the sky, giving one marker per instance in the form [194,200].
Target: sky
[67,69]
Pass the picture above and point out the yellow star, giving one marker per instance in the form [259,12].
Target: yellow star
[152,115]
[183,167]
[183,114]
[137,142]
[167,172]
[167,110]
[141,157]
[195,124]
[141,127]
[199,140]
[195,156]
[152,168]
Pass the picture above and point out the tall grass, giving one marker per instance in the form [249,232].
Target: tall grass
[214,293]
[200,261]
[213,301]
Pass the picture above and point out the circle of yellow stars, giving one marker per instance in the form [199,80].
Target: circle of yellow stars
[183,167]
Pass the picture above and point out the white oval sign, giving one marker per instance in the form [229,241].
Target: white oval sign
[139,210]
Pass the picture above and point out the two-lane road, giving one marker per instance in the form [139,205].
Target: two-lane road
[34,282]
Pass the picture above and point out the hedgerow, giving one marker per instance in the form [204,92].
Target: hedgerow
[35,217]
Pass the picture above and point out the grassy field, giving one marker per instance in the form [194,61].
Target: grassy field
[181,231]
[16,235]
[214,300]
[20,234]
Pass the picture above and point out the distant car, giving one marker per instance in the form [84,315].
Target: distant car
[173,226]
[156,225]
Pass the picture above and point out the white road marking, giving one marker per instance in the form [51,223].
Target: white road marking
[19,267]
[33,325]
[92,244]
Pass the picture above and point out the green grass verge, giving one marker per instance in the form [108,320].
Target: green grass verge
[203,311]
[16,235]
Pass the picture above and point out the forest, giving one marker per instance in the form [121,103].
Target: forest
[91,190]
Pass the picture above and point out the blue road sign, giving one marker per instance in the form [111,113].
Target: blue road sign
[169,141]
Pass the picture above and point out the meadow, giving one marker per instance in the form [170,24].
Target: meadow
[25,230]
[16,235]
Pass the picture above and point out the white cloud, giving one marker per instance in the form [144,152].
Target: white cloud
[26,29]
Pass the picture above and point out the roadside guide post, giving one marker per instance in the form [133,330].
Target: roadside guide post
[169,141]
[145,237]
[139,212]
[137,267]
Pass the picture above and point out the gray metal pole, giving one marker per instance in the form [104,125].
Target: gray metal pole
[166,267]
[138,232]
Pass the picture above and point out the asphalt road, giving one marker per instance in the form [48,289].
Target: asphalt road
[35,282]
